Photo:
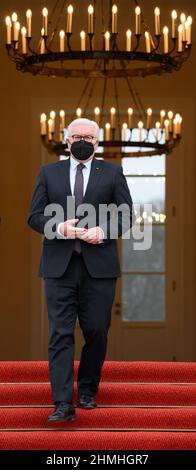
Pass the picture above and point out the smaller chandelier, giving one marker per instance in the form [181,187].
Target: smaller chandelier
[148,137]
[54,55]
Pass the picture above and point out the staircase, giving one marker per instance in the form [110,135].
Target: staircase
[141,406]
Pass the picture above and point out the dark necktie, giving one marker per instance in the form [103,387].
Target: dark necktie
[78,193]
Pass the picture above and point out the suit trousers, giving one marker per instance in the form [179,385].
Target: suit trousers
[74,295]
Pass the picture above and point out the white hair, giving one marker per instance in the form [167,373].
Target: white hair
[82,121]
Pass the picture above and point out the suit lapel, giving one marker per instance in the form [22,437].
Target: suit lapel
[95,174]
[65,176]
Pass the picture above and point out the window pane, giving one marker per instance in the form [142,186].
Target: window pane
[143,297]
[144,165]
[149,190]
[152,259]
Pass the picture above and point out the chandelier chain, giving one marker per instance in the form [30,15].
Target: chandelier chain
[90,95]
[85,88]
[117,104]
[50,41]
[103,98]
[102,16]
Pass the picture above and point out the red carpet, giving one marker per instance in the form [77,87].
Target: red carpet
[141,406]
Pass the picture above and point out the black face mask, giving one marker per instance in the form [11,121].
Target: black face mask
[82,150]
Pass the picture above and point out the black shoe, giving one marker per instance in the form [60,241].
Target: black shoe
[63,412]
[87,402]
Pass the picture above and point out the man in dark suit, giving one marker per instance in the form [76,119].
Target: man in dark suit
[80,263]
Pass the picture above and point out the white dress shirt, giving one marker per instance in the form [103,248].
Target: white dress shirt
[72,174]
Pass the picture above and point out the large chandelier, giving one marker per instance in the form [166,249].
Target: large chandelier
[97,48]
[137,131]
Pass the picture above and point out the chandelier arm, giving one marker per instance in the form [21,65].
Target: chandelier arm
[158,40]
[137,37]
[174,46]
[29,46]
[184,55]
[13,53]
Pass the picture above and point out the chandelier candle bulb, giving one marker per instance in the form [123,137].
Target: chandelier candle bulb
[180,125]
[170,116]
[62,40]
[140,127]
[114,19]
[69,19]
[24,40]
[157,126]
[188,29]
[148,119]
[62,124]
[178,120]
[45,21]
[130,118]
[107,131]
[78,112]
[128,40]
[162,117]
[50,129]
[14,17]
[28,22]
[174,18]
[97,114]
[180,35]
[52,114]
[124,131]
[166,39]
[166,124]
[62,119]
[42,46]
[157,21]
[52,118]
[137,20]
[17,30]
[90,19]
[61,135]
[183,21]
[14,20]
[175,123]
[113,117]
[107,41]
[83,40]
[147,37]
[43,124]
[9,30]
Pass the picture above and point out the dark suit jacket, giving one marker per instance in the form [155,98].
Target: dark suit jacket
[106,185]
